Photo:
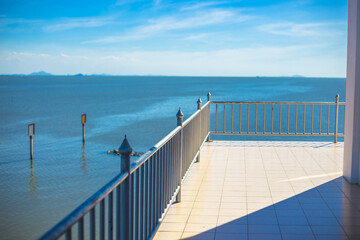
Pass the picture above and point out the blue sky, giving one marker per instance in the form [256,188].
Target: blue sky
[185,38]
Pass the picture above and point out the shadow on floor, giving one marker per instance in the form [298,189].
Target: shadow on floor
[328,211]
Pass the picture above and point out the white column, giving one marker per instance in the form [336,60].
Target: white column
[352,114]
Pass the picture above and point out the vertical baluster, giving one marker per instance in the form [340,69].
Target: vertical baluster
[110,216]
[117,214]
[304,118]
[320,119]
[143,200]
[132,223]
[328,121]
[81,229]
[92,224]
[156,189]
[232,118]
[216,119]
[138,203]
[224,116]
[68,234]
[151,195]
[312,119]
[248,118]
[272,118]
[264,117]
[288,119]
[163,171]
[256,108]
[102,220]
[280,120]
[296,113]
[240,119]
[148,199]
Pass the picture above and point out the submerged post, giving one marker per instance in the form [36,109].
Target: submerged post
[31,130]
[179,117]
[336,117]
[83,121]
[125,150]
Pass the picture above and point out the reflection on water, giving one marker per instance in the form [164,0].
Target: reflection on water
[33,183]
[83,159]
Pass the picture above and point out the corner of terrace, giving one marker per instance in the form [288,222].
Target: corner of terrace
[189,187]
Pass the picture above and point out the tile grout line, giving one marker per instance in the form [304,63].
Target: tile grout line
[267,180]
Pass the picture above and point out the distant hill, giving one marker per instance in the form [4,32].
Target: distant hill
[41,73]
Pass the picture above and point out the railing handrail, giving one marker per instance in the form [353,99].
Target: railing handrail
[65,225]
[278,105]
[84,208]
[282,103]
[195,114]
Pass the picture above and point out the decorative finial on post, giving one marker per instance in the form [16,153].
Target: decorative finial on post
[199,103]
[125,151]
[209,96]
[179,117]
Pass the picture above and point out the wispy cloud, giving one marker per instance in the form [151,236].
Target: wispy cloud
[161,25]
[197,37]
[11,22]
[301,29]
[201,5]
[70,23]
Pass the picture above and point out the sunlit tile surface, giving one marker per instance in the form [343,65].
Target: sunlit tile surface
[266,190]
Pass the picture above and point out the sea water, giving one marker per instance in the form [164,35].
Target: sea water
[35,195]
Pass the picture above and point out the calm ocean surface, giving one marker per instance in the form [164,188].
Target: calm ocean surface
[36,195]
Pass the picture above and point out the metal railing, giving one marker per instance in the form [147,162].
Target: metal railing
[133,204]
[279,118]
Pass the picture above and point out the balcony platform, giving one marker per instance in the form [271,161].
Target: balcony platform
[265,190]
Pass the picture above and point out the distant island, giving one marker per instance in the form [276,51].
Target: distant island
[41,73]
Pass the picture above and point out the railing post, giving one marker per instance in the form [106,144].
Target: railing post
[336,117]
[209,99]
[125,151]
[199,103]
[199,108]
[179,117]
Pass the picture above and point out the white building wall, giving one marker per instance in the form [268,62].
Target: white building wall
[352,114]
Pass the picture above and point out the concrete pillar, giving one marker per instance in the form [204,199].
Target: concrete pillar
[352,114]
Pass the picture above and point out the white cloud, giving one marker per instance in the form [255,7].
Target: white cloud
[70,23]
[200,5]
[197,37]
[161,25]
[301,29]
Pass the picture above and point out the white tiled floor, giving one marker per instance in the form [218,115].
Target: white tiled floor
[266,190]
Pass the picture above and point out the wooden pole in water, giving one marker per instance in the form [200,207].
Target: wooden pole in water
[83,121]
[31,130]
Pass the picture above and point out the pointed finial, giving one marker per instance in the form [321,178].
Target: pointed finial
[209,96]
[179,117]
[179,114]
[199,103]
[125,148]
